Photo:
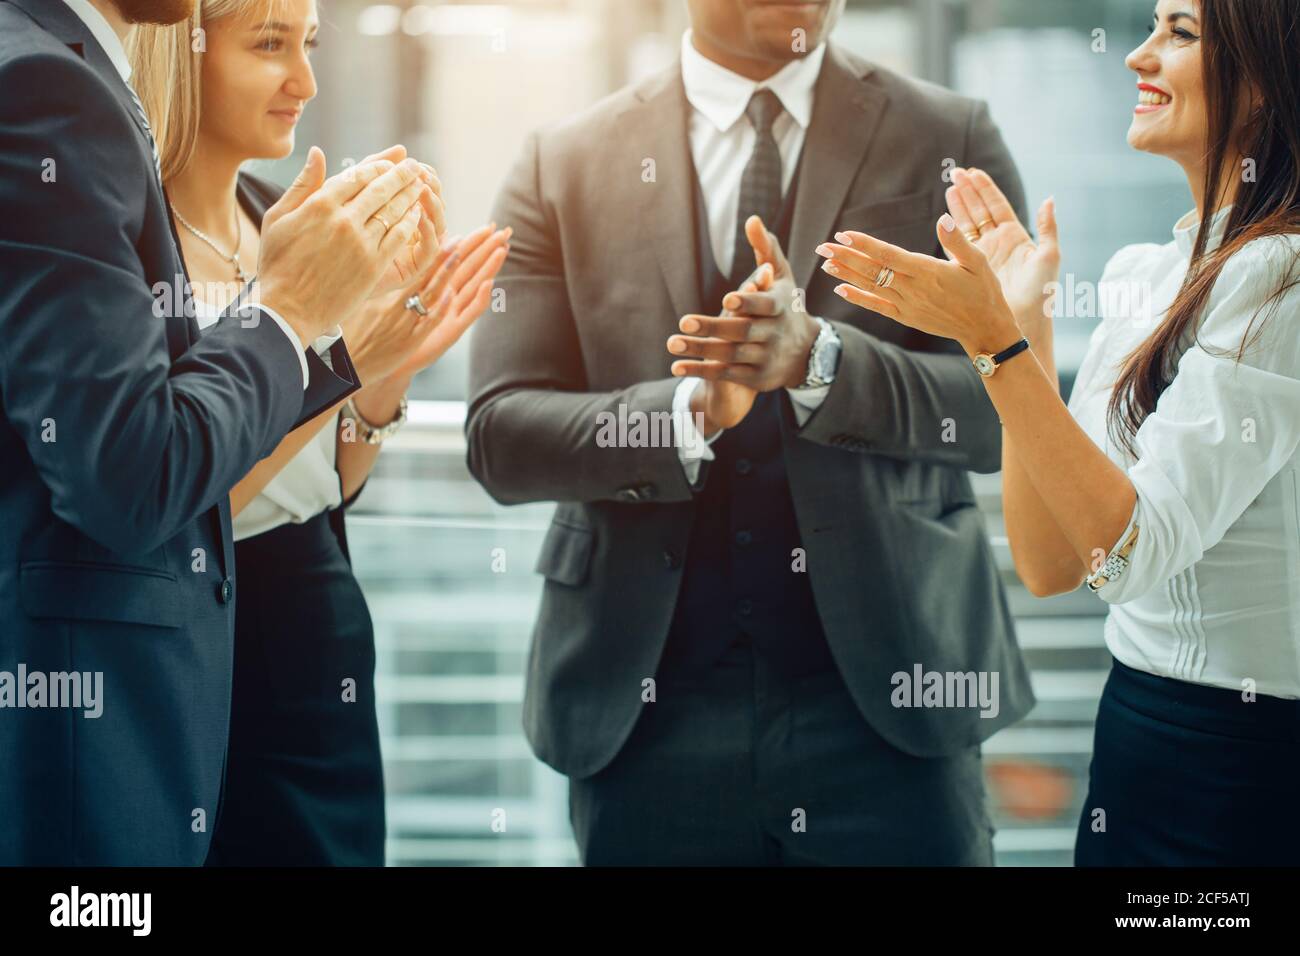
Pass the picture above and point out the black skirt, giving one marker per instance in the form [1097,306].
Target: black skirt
[1188,775]
[304,778]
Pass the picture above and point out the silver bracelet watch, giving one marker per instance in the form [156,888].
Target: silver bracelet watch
[824,359]
[1117,562]
[374,434]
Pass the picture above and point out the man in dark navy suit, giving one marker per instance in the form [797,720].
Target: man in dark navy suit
[122,432]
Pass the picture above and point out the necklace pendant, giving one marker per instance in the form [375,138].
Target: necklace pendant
[240,274]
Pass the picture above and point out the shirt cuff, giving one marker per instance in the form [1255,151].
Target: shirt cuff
[323,343]
[692,447]
[806,401]
[293,338]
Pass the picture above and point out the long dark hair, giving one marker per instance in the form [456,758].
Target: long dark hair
[1246,46]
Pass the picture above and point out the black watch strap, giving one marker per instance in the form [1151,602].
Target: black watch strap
[1011,352]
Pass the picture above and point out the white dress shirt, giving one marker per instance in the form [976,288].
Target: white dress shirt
[1212,593]
[111,43]
[308,484]
[722,140]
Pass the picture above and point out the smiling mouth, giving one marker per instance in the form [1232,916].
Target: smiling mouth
[1151,99]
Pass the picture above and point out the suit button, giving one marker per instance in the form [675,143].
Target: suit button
[744,538]
[672,560]
[628,494]
[744,466]
[745,607]
[226,591]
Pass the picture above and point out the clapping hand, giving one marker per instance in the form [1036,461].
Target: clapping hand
[1027,270]
[390,340]
[764,341]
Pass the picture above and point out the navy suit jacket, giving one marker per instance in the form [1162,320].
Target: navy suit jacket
[121,435]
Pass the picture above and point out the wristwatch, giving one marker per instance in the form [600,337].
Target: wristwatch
[1116,563]
[374,434]
[987,365]
[824,358]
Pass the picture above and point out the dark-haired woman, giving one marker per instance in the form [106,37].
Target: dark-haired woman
[1171,484]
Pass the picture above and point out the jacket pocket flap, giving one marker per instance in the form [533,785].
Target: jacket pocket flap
[566,554]
[99,592]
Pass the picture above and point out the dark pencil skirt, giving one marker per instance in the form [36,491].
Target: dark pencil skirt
[304,778]
[1189,775]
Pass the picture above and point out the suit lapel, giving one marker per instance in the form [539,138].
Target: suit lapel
[655,128]
[61,22]
[846,114]
[58,19]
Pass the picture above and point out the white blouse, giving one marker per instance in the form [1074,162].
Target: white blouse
[308,484]
[1212,594]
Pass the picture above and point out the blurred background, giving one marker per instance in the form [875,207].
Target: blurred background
[448,573]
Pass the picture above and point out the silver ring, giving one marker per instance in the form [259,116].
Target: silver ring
[886,277]
[416,306]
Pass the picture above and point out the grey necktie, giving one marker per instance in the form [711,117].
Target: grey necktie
[144,118]
[760,186]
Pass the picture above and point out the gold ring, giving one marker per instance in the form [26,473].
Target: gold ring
[979,227]
[973,236]
[383,221]
[885,278]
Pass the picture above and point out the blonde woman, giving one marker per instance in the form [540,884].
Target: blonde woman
[304,781]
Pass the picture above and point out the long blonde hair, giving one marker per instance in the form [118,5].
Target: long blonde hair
[167,73]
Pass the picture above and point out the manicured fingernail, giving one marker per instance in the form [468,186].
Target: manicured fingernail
[830,266]
[676,345]
[842,291]
[731,301]
[844,239]
[508,231]
[948,223]
[689,324]
[825,249]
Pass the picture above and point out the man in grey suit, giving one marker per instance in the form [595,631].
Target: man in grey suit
[783,640]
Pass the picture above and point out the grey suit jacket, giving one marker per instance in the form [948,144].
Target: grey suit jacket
[603,264]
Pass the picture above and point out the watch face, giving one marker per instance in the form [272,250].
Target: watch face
[824,364]
[984,365]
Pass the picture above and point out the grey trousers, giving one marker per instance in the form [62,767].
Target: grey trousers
[742,767]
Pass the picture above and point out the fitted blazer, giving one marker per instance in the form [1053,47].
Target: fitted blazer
[121,433]
[603,263]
